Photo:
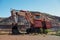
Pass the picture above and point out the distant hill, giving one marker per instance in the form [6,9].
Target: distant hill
[54,19]
[5,20]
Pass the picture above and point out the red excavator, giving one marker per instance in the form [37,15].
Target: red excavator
[35,21]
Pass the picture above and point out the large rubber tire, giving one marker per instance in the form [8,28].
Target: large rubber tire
[15,30]
[28,30]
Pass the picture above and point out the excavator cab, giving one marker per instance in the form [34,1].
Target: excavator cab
[37,21]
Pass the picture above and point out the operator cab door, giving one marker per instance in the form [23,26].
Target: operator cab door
[37,23]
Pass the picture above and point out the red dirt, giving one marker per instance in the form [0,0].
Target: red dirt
[29,37]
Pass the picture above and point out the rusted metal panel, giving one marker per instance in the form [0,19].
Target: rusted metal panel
[37,23]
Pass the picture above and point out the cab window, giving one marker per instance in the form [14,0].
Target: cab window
[37,16]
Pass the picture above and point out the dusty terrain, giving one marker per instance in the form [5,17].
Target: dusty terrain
[29,37]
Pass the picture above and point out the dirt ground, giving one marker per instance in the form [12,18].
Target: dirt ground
[29,37]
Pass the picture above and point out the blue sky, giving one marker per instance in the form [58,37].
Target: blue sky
[48,6]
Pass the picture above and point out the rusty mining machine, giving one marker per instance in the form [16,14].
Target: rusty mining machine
[29,20]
